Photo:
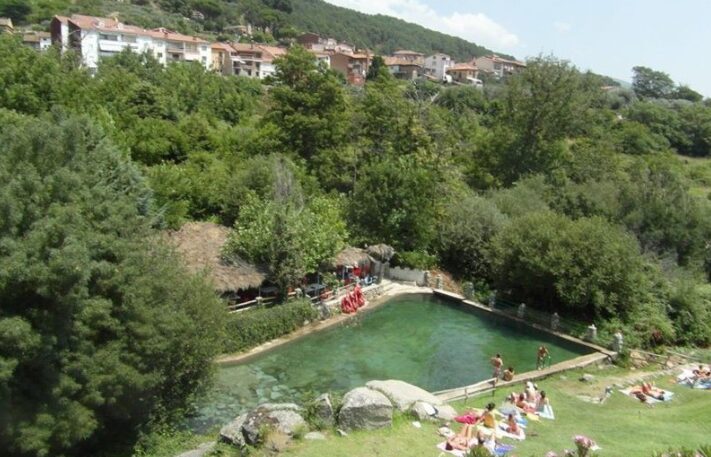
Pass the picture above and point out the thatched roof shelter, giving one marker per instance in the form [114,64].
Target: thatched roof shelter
[200,246]
[351,256]
[382,252]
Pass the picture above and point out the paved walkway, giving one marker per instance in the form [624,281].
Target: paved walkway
[460,393]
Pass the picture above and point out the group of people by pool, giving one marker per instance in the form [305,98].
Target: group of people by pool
[484,429]
[543,358]
[698,378]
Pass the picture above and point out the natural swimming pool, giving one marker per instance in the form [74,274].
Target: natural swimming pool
[419,338]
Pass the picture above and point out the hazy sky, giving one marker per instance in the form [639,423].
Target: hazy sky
[606,36]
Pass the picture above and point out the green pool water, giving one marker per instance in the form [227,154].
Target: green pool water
[419,339]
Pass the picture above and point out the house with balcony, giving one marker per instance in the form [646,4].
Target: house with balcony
[95,38]
[402,68]
[269,55]
[436,66]
[316,43]
[498,66]
[221,58]
[413,57]
[37,40]
[464,73]
[247,60]
[354,66]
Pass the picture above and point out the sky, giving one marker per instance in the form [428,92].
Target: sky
[606,36]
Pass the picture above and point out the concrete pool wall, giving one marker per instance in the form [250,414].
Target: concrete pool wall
[598,353]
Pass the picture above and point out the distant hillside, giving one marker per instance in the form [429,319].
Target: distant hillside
[381,33]
[283,18]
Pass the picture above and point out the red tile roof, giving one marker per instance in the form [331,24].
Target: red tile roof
[104,24]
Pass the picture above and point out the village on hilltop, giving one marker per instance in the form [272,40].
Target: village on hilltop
[95,38]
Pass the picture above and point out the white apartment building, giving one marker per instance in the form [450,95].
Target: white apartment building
[96,38]
[437,65]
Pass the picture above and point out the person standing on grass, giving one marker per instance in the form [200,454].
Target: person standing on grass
[497,363]
[541,357]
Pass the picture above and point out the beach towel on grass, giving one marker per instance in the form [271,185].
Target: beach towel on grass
[501,449]
[503,432]
[547,412]
[667,395]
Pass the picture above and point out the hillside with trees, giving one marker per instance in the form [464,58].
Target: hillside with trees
[273,20]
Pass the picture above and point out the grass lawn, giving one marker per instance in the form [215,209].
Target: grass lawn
[622,426]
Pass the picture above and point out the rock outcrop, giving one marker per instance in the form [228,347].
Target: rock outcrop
[403,395]
[365,408]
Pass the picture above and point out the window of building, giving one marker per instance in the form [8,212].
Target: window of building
[108,37]
[191,48]
[128,38]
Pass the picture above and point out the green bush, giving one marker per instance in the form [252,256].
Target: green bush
[250,328]
[415,259]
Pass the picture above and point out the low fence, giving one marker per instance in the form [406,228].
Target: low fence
[265,301]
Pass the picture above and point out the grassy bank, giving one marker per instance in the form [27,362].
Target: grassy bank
[621,426]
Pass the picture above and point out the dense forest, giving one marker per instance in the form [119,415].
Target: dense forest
[273,21]
[548,187]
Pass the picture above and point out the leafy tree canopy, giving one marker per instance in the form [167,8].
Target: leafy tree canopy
[101,330]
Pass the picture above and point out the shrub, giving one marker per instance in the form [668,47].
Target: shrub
[253,327]
[415,259]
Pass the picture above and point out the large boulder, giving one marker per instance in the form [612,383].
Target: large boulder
[282,418]
[425,411]
[324,409]
[365,408]
[446,412]
[403,395]
[232,432]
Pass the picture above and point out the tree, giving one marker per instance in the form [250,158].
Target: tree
[394,202]
[587,265]
[544,104]
[290,237]
[687,93]
[101,330]
[377,69]
[648,83]
[308,104]
[17,10]
[464,234]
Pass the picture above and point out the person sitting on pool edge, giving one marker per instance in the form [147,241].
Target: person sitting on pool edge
[508,374]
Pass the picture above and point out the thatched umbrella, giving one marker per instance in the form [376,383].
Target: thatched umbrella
[350,256]
[200,246]
[381,252]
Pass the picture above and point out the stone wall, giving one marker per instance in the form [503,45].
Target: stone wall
[407,274]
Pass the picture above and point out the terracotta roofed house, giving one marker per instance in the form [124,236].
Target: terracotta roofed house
[269,54]
[37,40]
[354,66]
[403,68]
[499,66]
[464,73]
[437,65]
[95,38]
